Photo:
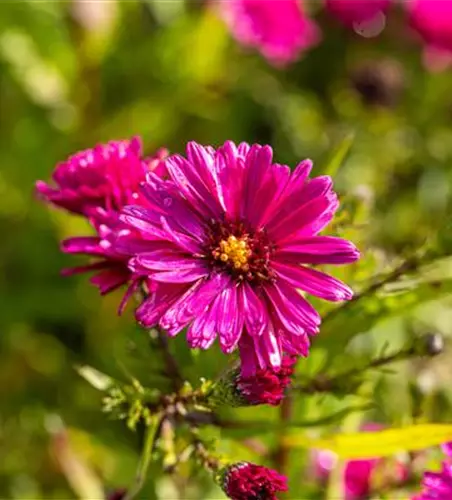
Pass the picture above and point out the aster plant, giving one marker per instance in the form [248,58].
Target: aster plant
[222,244]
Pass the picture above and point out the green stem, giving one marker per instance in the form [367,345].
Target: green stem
[282,451]
[426,345]
[407,266]
[145,459]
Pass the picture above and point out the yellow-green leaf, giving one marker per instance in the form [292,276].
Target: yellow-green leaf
[378,444]
[339,155]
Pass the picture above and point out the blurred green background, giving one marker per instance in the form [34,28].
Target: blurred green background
[75,73]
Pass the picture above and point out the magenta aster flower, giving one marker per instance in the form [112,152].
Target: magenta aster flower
[277,28]
[438,485]
[351,12]
[227,241]
[247,481]
[268,385]
[97,183]
[107,176]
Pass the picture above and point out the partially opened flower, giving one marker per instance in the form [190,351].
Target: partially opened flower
[277,28]
[246,481]
[438,485]
[353,12]
[226,243]
[266,386]
[97,183]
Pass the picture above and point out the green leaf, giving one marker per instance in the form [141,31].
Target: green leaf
[339,155]
[97,379]
[363,314]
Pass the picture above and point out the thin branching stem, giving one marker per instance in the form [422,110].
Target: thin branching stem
[171,366]
[282,451]
[408,265]
[329,384]
[145,460]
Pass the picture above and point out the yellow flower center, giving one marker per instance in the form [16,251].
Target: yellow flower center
[235,252]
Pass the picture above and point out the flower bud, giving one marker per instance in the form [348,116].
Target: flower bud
[267,386]
[244,480]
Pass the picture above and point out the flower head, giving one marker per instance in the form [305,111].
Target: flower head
[351,12]
[247,481]
[226,244]
[106,176]
[277,28]
[438,485]
[97,183]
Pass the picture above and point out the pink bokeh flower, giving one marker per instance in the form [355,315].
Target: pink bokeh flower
[279,29]
[226,243]
[97,183]
[359,476]
[432,20]
[438,485]
[351,12]
[245,481]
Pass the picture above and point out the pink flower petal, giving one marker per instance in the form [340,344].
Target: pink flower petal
[317,250]
[314,282]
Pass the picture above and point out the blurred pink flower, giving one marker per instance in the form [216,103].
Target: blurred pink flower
[277,28]
[358,475]
[351,12]
[432,19]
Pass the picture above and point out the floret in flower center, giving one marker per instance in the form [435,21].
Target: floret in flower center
[235,252]
[245,253]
